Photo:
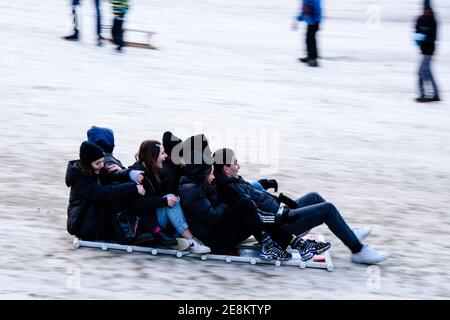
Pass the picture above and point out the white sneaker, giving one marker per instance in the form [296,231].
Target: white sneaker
[198,247]
[182,244]
[363,233]
[368,255]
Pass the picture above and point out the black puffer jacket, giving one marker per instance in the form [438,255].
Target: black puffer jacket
[426,24]
[201,211]
[233,189]
[92,204]
[170,177]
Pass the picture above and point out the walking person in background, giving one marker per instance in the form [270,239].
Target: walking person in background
[311,14]
[425,36]
[120,8]
[75,36]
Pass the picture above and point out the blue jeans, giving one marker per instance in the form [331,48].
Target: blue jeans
[313,211]
[173,215]
[425,75]
[99,15]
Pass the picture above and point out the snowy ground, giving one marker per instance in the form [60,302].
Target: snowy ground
[349,130]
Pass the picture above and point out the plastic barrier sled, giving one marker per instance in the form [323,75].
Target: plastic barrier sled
[247,252]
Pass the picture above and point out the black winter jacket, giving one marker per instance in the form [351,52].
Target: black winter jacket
[153,198]
[170,177]
[233,189]
[201,211]
[92,203]
[427,25]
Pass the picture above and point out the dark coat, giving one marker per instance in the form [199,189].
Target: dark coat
[92,203]
[170,177]
[153,198]
[426,25]
[202,212]
[233,189]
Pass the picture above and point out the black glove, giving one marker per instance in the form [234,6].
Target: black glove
[287,201]
[269,183]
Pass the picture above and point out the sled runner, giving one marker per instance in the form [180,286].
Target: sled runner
[247,252]
[138,38]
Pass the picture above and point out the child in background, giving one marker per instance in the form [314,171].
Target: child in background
[120,8]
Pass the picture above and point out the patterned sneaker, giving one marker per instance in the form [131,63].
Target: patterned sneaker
[309,248]
[272,251]
[197,246]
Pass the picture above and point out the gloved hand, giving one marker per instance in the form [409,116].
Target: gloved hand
[269,183]
[287,201]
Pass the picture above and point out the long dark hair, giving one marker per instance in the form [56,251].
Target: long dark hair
[206,188]
[147,155]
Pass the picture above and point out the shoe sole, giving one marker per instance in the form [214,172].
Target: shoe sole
[269,257]
[201,251]
[182,244]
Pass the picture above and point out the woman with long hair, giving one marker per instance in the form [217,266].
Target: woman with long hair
[149,160]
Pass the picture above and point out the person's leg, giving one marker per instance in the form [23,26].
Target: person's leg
[163,219]
[115,30]
[314,215]
[431,78]
[309,41]
[99,18]
[310,199]
[176,217]
[421,74]
[74,36]
[121,43]
[314,30]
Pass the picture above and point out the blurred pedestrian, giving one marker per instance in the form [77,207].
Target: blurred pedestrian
[425,36]
[120,8]
[75,36]
[311,14]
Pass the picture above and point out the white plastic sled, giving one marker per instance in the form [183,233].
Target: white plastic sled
[247,252]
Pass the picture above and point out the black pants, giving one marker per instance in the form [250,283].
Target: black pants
[97,5]
[311,44]
[313,211]
[237,224]
[117,31]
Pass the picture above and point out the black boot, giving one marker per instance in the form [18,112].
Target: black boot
[72,37]
[304,60]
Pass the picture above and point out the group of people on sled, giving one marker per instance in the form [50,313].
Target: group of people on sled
[181,195]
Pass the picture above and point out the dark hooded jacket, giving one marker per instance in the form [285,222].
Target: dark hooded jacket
[233,189]
[104,138]
[426,25]
[202,211]
[93,201]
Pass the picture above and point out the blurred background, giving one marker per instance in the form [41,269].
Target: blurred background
[349,130]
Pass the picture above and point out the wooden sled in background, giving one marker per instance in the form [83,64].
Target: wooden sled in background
[247,252]
[146,37]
